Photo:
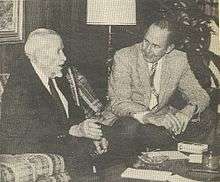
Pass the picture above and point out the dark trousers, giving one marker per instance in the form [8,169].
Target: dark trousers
[127,137]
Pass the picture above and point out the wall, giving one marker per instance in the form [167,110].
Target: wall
[38,13]
[85,46]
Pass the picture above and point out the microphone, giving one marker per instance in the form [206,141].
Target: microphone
[81,89]
[73,87]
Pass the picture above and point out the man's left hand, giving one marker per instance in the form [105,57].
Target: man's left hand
[101,145]
[176,123]
[185,115]
[183,120]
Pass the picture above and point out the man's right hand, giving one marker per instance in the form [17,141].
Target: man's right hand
[169,121]
[101,145]
[88,128]
[172,123]
[140,116]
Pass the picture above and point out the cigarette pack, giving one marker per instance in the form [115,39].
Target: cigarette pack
[190,147]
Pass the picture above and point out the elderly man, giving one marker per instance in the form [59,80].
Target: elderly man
[38,111]
[143,79]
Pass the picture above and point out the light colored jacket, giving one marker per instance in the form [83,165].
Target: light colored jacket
[129,88]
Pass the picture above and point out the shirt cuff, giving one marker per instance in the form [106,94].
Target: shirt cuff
[191,110]
[196,111]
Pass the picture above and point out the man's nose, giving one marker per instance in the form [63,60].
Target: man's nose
[63,57]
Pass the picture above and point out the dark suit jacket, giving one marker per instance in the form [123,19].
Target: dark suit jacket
[31,121]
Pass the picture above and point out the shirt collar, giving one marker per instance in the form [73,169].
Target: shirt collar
[160,62]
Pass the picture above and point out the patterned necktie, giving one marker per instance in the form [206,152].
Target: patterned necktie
[154,95]
[56,96]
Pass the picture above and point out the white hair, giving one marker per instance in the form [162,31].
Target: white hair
[37,39]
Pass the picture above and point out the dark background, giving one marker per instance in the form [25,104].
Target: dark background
[85,46]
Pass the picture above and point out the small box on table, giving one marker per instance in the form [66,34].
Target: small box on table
[190,147]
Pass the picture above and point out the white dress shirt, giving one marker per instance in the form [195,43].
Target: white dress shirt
[44,79]
[153,99]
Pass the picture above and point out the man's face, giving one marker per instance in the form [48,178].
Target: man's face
[155,44]
[50,56]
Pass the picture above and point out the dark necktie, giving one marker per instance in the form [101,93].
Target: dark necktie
[215,80]
[56,96]
[153,90]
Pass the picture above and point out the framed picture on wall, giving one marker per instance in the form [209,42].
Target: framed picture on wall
[11,21]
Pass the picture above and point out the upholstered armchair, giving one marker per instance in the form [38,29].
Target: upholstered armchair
[3,80]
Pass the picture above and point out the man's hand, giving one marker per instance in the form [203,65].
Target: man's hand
[140,116]
[88,128]
[101,145]
[184,118]
[176,123]
[172,123]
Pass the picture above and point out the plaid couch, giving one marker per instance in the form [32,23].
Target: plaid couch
[33,168]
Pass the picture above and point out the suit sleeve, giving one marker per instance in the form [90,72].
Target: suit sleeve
[119,90]
[191,88]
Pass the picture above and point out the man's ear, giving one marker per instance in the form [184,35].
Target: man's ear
[170,48]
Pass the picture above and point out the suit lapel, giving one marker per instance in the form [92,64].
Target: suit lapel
[164,80]
[66,90]
[143,71]
[75,113]
[37,87]
[43,92]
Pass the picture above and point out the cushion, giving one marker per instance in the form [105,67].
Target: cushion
[31,167]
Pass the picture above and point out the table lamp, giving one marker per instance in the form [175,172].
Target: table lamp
[111,12]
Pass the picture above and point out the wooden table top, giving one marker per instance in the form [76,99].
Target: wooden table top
[113,173]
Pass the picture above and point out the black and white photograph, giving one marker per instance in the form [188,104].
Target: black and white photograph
[109,91]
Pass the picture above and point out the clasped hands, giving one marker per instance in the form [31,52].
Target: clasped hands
[89,128]
[176,123]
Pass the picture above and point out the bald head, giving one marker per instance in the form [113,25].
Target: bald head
[38,39]
[157,41]
[44,47]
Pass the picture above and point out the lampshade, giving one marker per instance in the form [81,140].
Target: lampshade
[111,12]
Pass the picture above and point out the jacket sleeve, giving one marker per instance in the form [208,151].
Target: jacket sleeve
[119,90]
[191,88]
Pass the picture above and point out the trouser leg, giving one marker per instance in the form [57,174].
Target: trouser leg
[142,136]
[122,147]
[122,136]
[198,131]
[77,155]
[156,137]
[128,137]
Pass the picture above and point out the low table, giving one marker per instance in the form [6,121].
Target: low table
[113,173]
[181,167]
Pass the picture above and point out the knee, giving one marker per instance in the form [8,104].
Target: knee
[129,126]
